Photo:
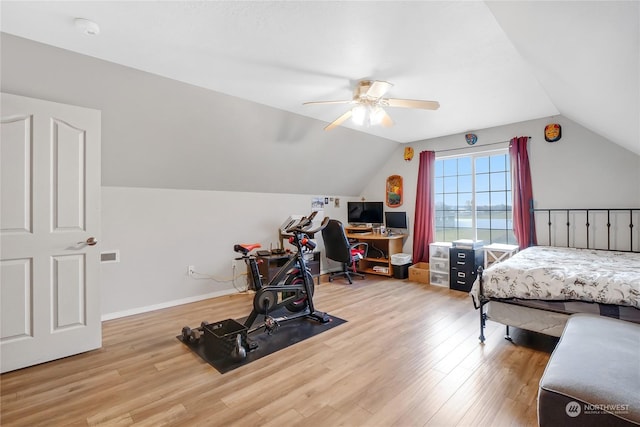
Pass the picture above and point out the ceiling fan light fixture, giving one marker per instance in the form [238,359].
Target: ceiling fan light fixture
[359,114]
[375,115]
[87,27]
[367,115]
[369,111]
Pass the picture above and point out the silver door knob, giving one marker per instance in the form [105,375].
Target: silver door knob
[91,241]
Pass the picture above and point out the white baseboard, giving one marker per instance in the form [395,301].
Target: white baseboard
[146,309]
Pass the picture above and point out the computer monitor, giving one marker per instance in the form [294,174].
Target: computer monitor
[396,220]
[365,212]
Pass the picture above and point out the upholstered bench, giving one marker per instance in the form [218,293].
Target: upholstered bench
[593,375]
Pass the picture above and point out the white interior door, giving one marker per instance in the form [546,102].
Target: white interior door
[49,212]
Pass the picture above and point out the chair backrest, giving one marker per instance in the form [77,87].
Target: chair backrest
[336,244]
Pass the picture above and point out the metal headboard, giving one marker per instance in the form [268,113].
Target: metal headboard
[629,213]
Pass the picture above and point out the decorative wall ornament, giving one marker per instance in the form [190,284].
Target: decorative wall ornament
[394,191]
[471,138]
[408,153]
[552,132]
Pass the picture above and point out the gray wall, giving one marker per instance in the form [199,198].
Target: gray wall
[159,232]
[161,133]
[187,172]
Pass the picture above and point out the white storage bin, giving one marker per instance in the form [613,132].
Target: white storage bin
[439,279]
[400,259]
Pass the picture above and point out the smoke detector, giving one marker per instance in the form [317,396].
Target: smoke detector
[88,27]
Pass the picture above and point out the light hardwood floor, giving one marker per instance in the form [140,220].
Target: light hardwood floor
[408,356]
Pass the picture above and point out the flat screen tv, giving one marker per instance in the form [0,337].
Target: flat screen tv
[396,220]
[365,212]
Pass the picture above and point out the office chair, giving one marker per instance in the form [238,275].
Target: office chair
[338,248]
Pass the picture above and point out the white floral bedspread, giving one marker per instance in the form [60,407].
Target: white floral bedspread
[549,273]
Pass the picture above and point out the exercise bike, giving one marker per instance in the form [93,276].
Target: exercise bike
[291,289]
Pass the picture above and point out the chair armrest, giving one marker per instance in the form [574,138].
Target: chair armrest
[362,246]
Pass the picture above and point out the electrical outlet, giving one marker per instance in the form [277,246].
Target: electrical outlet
[190,270]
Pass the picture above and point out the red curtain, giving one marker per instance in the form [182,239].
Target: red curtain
[522,192]
[424,223]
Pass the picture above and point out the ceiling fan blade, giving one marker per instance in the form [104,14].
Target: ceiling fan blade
[386,120]
[378,88]
[412,103]
[338,121]
[327,102]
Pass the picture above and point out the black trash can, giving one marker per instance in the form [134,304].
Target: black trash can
[400,264]
[401,271]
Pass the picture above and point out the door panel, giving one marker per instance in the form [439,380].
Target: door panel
[16,297]
[51,198]
[15,175]
[68,284]
[68,147]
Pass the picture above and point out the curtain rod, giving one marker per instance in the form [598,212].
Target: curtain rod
[476,146]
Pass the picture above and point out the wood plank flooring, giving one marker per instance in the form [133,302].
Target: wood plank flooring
[408,356]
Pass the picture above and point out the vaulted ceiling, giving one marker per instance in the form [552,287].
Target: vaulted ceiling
[487,63]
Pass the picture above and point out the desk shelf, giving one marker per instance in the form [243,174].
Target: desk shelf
[367,265]
[389,245]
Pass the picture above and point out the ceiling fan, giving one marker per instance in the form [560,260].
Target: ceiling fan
[368,105]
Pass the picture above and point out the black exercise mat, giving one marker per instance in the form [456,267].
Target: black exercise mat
[288,333]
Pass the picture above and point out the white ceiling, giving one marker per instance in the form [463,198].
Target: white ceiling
[487,63]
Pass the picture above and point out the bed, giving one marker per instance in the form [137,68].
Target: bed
[538,288]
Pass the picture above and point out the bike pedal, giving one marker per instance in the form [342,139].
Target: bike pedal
[321,316]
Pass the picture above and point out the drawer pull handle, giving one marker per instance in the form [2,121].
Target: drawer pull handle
[461,274]
[462,255]
[460,282]
[461,263]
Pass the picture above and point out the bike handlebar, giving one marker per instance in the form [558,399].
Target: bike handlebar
[303,225]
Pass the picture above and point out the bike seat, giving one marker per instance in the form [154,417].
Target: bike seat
[245,248]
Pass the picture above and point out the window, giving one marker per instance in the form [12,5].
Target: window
[473,198]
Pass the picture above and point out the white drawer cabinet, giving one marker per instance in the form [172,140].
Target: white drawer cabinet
[439,263]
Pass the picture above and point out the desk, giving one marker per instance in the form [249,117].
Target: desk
[381,247]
